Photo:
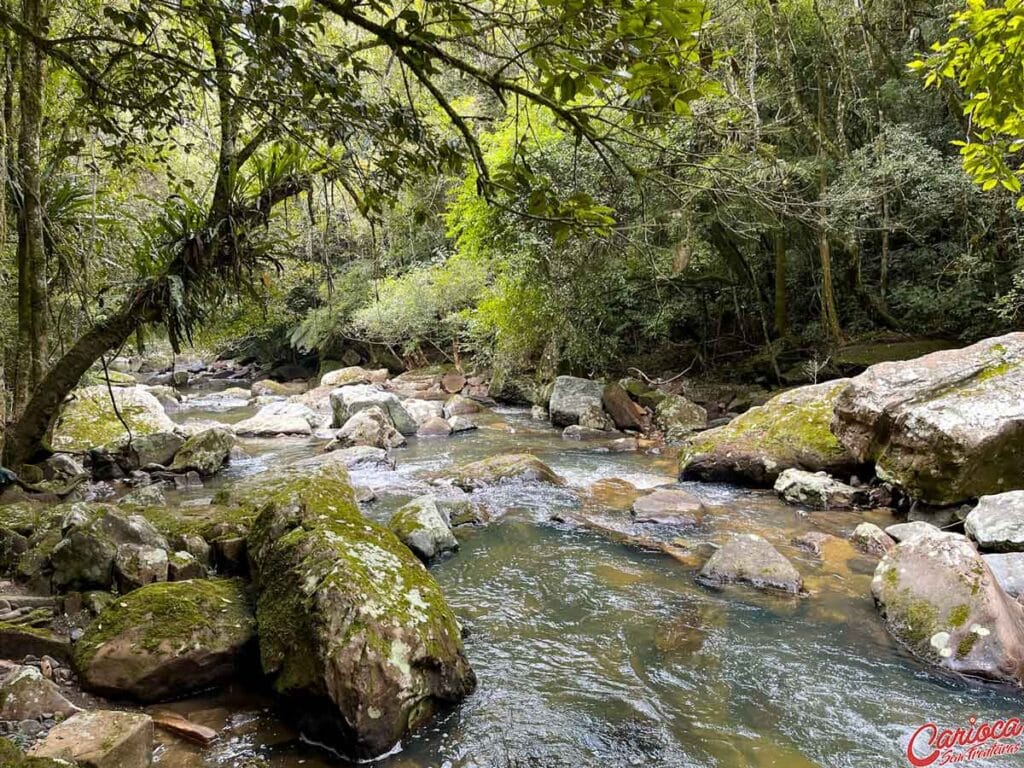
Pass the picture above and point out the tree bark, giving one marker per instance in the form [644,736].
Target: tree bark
[781,297]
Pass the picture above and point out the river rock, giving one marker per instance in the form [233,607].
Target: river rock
[434,427]
[750,559]
[871,539]
[353,629]
[144,497]
[183,566]
[25,694]
[423,410]
[348,401]
[945,427]
[343,377]
[461,424]
[271,388]
[157,448]
[1008,568]
[576,432]
[460,405]
[818,489]
[997,523]
[901,532]
[88,419]
[423,528]
[625,413]
[668,506]
[678,418]
[370,426]
[205,452]
[279,418]
[570,397]
[362,457]
[136,565]
[163,641]
[101,739]
[84,558]
[939,598]
[520,467]
[789,431]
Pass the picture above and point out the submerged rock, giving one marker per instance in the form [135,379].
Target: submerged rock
[88,419]
[280,418]
[101,739]
[348,401]
[939,598]
[370,426]
[498,469]
[945,427]
[750,559]
[163,641]
[205,452]
[423,527]
[678,418]
[571,397]
[789,431]
[435,426]
[352,627]
[997,523]
[818,489]
[460,424]
[362,457]
[668,506]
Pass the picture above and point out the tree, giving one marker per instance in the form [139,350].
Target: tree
[301,91]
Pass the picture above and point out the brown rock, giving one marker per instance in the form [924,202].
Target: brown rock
[624,412]
[668,506]
[453,382]
[186,729]
[101,739]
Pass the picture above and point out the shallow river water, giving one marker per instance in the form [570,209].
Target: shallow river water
[592,653]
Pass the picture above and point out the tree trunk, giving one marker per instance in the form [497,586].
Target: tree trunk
[26,440]
[781,297]
[33,328]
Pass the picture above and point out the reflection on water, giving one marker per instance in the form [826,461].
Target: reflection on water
[590,653]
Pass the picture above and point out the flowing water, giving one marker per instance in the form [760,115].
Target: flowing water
[592,653]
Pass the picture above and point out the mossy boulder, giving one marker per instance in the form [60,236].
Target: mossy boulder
[521,467]
[164,641]
[352,627]
[940,599]
[12,757]
[678,418]
[205,452]
[945,427]
[370,426]
[422,526]
[572,396]
[88,419]
[789,431]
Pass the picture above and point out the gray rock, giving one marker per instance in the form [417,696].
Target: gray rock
[26,695]
[1008,568]
[461,424]
[423,528]
[347,401]
[363,457]
[576,432]
[182,566]
[946,427]
[678,418]
[205,452]
[460,405]
[997,523]
[906,531]
[494,470]
[750,559]
[539,413]
[370,426]
[669,506]
[871,539]
[101,739]
[818,489]
[136,565]
[280,418]
[939,598]
[423,410]
[434,427]
[143,497]
[570,397]
[88,419]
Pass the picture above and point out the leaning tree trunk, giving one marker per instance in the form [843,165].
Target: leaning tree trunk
[26,440]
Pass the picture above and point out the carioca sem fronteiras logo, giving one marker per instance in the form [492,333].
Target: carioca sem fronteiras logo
[932,745]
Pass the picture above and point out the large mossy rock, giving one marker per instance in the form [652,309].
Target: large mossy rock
[789,431]
[513,467]
[352,627]
[678,418]
[941,600]
[88,419]
[945,427]
[164,641]
[205,452]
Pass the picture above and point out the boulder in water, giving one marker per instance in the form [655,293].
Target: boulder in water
[343,377]
[750,559]
[347,401]
[625,413]
[423,527]
[818,489]
[872,540]
[997,523]
[163,641]
[352,627]
[789,431]
[460,405]
[669,506]
[901,532]
[280,418]
[946,427]
[499,469]
[205,452]
[423,410]
[370,426]
[572,396]
[939,598]
[435,426]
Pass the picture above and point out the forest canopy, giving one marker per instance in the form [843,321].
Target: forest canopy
[539,187]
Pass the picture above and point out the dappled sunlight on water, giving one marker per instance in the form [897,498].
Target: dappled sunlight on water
[590,652]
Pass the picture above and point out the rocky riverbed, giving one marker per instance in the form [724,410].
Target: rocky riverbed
[561,597]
